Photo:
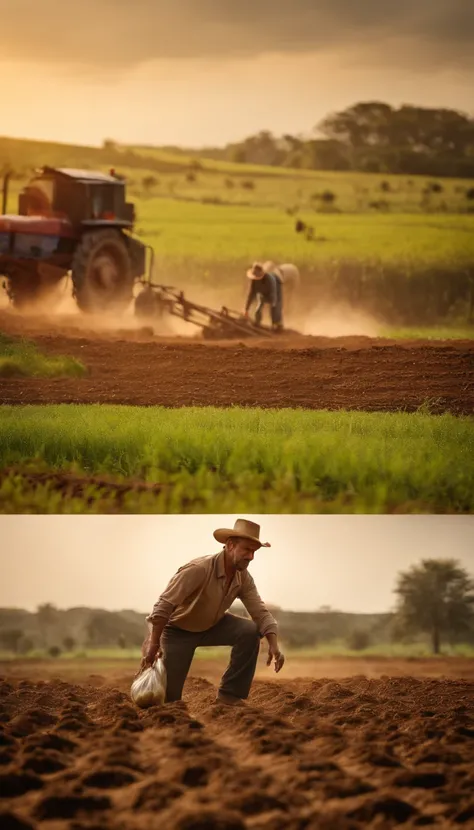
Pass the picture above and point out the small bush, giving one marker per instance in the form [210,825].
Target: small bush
[358,640]
[54,651]
[328,197]
[149,182]
[248,184]
[470,193]
[385,187]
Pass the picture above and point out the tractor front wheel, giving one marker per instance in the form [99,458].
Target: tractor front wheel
[102,274]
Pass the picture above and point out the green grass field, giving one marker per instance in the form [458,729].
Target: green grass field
[209,460]
[21,358]
[120,656]
[181,231]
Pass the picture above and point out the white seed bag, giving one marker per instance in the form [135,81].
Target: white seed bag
[149,688]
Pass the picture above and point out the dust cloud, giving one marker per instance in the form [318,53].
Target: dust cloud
[338,320]
[58,311]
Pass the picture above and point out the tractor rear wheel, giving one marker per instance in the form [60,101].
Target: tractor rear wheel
[102,274]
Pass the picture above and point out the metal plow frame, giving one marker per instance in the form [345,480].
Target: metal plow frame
[225,323]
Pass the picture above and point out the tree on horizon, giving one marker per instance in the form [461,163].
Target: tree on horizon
[436,597]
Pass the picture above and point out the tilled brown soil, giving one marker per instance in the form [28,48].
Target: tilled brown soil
[303,755]
[316,373]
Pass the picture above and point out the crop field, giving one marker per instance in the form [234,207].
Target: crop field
[154,459]
[370,408]
[401,248]
[349,743]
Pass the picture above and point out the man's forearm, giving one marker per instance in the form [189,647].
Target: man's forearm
[250,297]
[157,631]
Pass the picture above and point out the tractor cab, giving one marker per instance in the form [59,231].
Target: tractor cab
[60,204]
[74,221]
[81,196]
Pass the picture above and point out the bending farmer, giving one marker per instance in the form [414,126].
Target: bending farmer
[267,288]
[192,612]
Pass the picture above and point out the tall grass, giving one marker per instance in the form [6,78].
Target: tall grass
[210,460]
[408,269]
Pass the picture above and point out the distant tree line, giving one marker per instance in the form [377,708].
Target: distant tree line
[371,137]
[435,604]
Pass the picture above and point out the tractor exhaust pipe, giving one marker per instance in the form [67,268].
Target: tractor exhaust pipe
[6,180]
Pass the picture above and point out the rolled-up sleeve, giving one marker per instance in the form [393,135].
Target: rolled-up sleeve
[256,607]
[180,588]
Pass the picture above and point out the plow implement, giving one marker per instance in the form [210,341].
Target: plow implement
[155,302]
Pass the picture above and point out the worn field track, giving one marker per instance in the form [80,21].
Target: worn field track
[315,373]
[351,754]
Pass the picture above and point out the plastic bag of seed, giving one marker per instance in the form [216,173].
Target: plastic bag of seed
[149,688]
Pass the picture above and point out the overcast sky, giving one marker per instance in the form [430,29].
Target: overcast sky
[208,72]
[117,562]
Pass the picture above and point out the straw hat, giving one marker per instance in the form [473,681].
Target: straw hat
[243,529]
[256,272]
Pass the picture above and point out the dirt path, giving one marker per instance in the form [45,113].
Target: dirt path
[314,373]
[308,753]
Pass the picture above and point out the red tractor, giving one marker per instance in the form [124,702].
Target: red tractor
[75,221]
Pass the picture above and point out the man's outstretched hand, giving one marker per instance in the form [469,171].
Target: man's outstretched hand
[274,654]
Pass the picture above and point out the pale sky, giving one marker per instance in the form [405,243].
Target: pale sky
[206,72]
[124,562]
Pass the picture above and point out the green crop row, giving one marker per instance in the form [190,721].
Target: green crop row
[218,460]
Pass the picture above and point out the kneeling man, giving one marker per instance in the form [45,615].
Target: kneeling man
[193,612]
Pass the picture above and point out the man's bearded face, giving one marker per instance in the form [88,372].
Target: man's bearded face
[242,552]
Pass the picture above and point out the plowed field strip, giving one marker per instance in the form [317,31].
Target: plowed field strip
[366,375]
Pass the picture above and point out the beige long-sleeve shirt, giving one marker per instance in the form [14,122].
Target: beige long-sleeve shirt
[197,597]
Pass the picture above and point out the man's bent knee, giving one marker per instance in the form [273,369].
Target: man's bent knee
[249,631]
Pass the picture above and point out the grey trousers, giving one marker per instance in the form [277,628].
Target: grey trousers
[179,647]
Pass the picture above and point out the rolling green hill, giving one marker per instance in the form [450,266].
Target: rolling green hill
[399,247]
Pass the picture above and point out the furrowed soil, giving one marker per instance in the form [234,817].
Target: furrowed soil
[137,368]
[322,751]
